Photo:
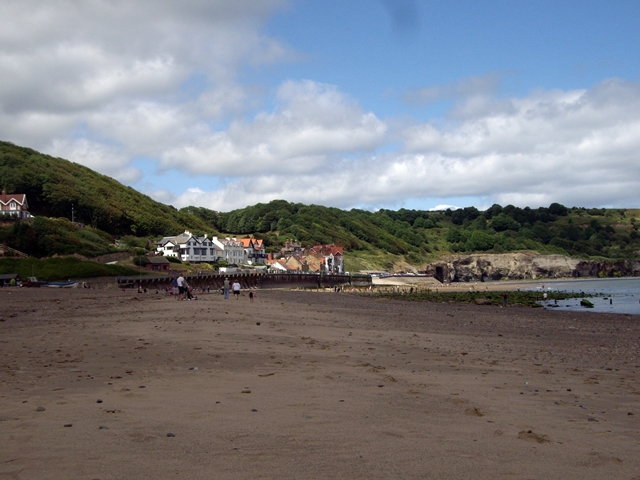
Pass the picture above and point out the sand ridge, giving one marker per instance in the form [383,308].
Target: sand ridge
[325,386]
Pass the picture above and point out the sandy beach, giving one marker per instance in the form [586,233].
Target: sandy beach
[106,384]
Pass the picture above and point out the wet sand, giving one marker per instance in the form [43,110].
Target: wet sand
[105,384]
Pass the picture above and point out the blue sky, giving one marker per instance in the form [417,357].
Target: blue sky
[369,104]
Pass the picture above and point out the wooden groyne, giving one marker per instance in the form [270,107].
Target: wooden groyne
[215,281]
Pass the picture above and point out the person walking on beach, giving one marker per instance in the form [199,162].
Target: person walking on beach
[225,288]
[187,291]
[251,297]
[174,288]
[181,286]
[236,289]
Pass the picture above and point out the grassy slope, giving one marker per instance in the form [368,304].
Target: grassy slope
[54,186]
[52,269]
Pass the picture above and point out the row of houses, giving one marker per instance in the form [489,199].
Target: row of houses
[250,251]
[319,258]
[194,249]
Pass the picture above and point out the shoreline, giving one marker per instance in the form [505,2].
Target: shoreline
[499,285]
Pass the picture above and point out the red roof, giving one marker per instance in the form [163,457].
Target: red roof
[19,198]
[251,243]
[246,242]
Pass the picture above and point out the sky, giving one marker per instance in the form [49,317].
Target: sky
[421,104]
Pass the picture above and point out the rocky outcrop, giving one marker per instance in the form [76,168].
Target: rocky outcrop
[521,266]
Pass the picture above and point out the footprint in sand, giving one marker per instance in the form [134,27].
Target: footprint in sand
[474,412]
[529,436]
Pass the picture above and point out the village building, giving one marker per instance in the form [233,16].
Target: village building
[157,264]
[194,249]
[254,253]
[331,257]
[278,265]
[291,247]
[232,250]
[191,248]
[313,264]
[14,205]
[297,263]
[317,259]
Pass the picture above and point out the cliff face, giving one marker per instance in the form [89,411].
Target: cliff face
[521,266]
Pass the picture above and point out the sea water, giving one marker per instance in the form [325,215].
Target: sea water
[614,295]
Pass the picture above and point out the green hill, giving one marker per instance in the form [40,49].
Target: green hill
[383,239]
[416,236]
[54,186]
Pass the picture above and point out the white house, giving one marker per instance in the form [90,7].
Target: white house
[14,205]
[278,266]
[232,249]
[191,248]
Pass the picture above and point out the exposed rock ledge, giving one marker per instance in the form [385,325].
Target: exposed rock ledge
[521,266]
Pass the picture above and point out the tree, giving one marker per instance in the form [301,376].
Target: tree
[491,212]
[558,209]
[502,222]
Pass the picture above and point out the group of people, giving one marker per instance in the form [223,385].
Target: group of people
[182,291]
[235,288]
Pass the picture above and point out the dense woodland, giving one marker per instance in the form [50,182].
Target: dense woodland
[109,216]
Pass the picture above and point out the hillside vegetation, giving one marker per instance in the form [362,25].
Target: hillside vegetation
[419,235]
[54,186]
[384,239]
[52,269]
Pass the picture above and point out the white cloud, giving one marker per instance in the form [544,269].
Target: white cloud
[104,82]
[576,147]
[111,161]
[85,64]
[313,123]
[443,207]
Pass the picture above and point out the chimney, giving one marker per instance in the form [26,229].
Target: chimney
[4,195]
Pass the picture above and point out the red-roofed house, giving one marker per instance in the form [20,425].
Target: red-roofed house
[297,263]
[14,205]
[278,265]
[253,251]
[330,256]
